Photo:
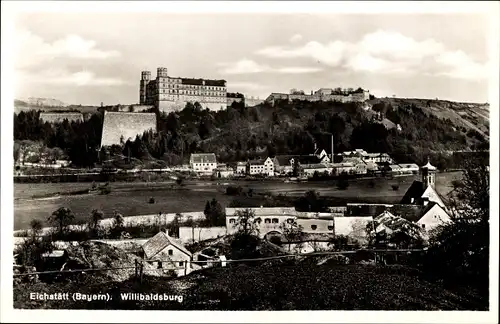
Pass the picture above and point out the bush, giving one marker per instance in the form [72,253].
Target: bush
[234,190]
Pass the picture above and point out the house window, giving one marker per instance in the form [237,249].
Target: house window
[275,221]
[313,227]
[231,221]
[423,226]
[160,265]
[289,221]
[267,221]
[170,252]
[181,263]
[330,227]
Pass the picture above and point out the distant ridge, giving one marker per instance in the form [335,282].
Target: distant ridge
[41,102]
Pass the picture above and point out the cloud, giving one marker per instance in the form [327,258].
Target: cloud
[246,85]
[246,66]
[296,38]
[386,52]
[65,78]
[243,66]
[32,50]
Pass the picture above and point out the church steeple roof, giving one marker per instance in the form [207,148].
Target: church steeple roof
[429,166]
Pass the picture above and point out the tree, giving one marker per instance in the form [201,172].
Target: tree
[311,202]
[214,213]
[246,223]
[118,220]
[459,250]
[62,217]
[246,240]
[292,232]
[175,224]
[95,218]
[36,227]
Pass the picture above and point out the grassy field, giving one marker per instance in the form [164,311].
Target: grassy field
[38,201]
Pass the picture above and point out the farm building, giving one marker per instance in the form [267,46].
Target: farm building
[168,253]
[203,162]
[118,127]
[261,167]
[46,117]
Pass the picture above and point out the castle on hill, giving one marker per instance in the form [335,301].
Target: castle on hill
[168,93]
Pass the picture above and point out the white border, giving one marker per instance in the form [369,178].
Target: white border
[10,8]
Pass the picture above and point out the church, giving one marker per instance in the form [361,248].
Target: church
[423,193]
[421,204]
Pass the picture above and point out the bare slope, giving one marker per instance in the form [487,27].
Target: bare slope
[118,125]
[469,115]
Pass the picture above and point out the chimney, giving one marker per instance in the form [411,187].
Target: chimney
[333,156]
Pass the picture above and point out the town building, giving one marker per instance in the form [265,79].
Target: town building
[241,168]
[203,162]
[261,167]
[119,127]
[224,172]
[272,221]
[169,93]
[323,94]
[168,253]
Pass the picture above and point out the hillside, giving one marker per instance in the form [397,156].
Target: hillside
[303,285]
[469,115]
[427,128]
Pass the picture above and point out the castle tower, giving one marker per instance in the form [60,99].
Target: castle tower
[161,72]
[429,175]
[145,79]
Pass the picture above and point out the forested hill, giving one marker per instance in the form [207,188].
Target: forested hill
[240,133]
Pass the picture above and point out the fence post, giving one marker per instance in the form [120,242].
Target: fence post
[141,271]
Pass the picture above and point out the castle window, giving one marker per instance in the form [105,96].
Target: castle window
[313,227]
[267,221]
[275,221]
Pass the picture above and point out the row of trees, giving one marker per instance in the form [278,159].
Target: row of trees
[79,140]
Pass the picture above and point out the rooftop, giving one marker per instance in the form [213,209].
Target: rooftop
[203,158]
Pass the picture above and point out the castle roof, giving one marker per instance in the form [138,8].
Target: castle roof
[126,124]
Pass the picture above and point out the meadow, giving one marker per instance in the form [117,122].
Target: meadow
[38,201]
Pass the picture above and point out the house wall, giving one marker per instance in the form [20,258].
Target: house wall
[322,225]
[204,167]
[180,260]
[200,233]
[434,217]
[274,223]
[432,195]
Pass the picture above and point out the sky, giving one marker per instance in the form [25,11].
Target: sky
[89,58]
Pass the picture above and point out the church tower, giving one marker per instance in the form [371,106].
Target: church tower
[429,175]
